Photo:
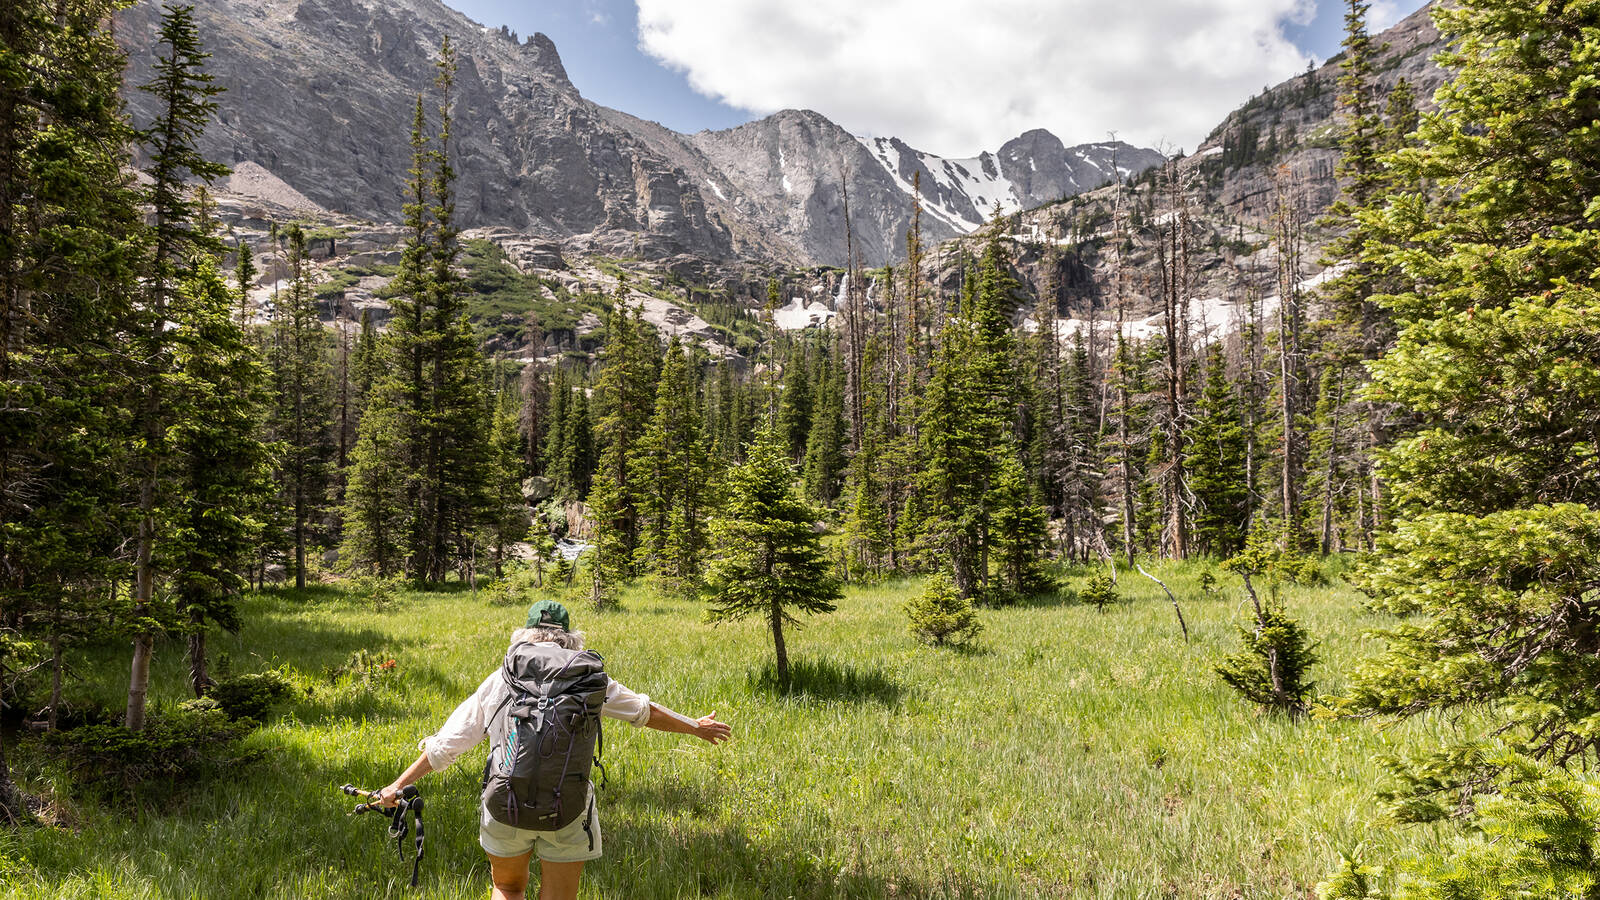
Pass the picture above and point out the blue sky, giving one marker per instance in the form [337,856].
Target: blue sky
[949,76]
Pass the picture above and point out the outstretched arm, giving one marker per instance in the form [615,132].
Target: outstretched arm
[416,770]
[706,728]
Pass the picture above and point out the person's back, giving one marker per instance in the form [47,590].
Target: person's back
[506,829]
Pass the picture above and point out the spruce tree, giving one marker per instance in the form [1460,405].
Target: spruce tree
[796,402]
[968,421]
[69,249]
[1358,329]
[1020,537]
[220,465]
[769,560]
[824,445]
[957,443]
[184,93]
[244,277]
[1217,463]
[421,469]
[672,470]
[301,417]
[506,519]
[1493,560]
[624,396]
[455,498]
[1080,467]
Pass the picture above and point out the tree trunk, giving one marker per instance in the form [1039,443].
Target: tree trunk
[299,553]
[777,646]
[139,680]
[144,592]
[199,672]
[57,665]
[1326,536]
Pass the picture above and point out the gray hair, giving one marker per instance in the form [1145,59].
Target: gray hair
[570,640]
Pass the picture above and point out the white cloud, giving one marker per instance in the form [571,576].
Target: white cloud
[1384,13]
[953,77]
[597,16]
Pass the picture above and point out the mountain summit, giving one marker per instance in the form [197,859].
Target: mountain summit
[320,94]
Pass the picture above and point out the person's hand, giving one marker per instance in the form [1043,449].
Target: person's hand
[708,729]
[390,796]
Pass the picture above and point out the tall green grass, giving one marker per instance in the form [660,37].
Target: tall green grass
[1071,753]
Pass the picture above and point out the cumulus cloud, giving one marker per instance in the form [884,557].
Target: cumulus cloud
[1384,13]
[953,77]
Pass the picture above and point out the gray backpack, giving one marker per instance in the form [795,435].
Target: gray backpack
[544,737]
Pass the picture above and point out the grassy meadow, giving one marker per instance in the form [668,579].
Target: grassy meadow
[1069,753]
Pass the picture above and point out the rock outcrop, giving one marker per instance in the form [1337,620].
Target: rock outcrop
[320,97]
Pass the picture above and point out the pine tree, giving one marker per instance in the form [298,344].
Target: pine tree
[672,470]
[796,402]
[939,615]
[534,418]
[577,445]
[301,418]
[969,421]
[506,519]
[455,496]
[957,444]
[244,277]
[824,446]
[769,561]
[421,469]
[69,245]
[1080,468]
[1492,558]
[220,465]
[1020,537]
[624,396]
[1126,445]
[184,93]
[1358,329]
[1216,457]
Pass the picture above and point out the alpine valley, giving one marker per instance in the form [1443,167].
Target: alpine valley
[568,198]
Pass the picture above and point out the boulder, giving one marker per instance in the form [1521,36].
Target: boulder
[537,489]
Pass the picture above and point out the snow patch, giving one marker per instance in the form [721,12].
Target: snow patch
[1210,318]
[720,195]
[882,149]
[797,314]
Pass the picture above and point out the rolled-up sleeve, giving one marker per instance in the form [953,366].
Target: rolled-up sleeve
[465,727]
[626,705]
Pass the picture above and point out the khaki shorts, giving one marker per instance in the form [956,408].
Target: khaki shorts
[579,841]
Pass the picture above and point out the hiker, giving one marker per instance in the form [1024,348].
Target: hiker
[564,850]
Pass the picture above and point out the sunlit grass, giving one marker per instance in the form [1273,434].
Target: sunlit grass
[1071,753]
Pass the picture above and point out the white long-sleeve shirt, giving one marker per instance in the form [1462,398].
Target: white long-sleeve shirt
[470,721]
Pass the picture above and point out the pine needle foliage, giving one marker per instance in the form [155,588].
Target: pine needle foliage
[940,615]
[1535,839]
[1272,668]
[770,561]
[1496,359]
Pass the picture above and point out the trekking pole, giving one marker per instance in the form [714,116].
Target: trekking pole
[408,801]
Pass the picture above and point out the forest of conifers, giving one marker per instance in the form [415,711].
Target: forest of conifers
[1434,406]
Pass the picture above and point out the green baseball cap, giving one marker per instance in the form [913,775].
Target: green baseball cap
[549,613]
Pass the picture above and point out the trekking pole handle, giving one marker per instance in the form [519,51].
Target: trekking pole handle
[408,797]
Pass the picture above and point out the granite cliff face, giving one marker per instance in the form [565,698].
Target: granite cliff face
[1279,146]
[320,94]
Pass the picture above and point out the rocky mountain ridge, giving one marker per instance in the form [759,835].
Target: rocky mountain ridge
[320,94]
[1279,147]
